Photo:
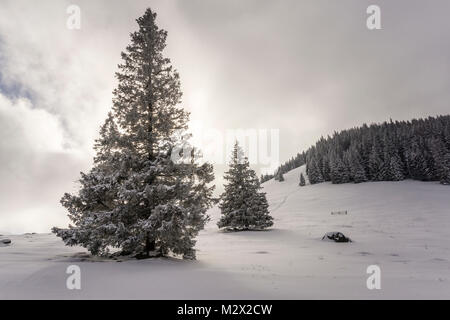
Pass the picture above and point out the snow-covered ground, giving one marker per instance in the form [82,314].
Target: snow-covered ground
[403,227]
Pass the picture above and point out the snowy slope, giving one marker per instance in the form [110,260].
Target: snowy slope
[403,227]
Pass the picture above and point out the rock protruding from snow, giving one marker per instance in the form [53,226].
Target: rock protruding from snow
[5,242]
[336,237]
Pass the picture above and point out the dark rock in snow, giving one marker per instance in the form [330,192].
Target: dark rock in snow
[336,237]
[5,241]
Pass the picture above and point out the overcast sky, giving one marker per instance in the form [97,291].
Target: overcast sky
[307,68]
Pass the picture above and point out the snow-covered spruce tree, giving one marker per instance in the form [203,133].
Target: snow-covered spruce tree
[326,168]
[375,163]
[279,176]
[302,180]
[357,171]
[416,163]
[243,205]
[392,169]
[137,198]
[446,177]
[359,175]
[313,171]
[338,170]
[438,152]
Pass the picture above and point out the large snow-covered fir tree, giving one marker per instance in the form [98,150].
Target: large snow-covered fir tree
[137,197]
[243,205]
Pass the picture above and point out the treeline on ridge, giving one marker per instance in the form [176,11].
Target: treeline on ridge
[391,151]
